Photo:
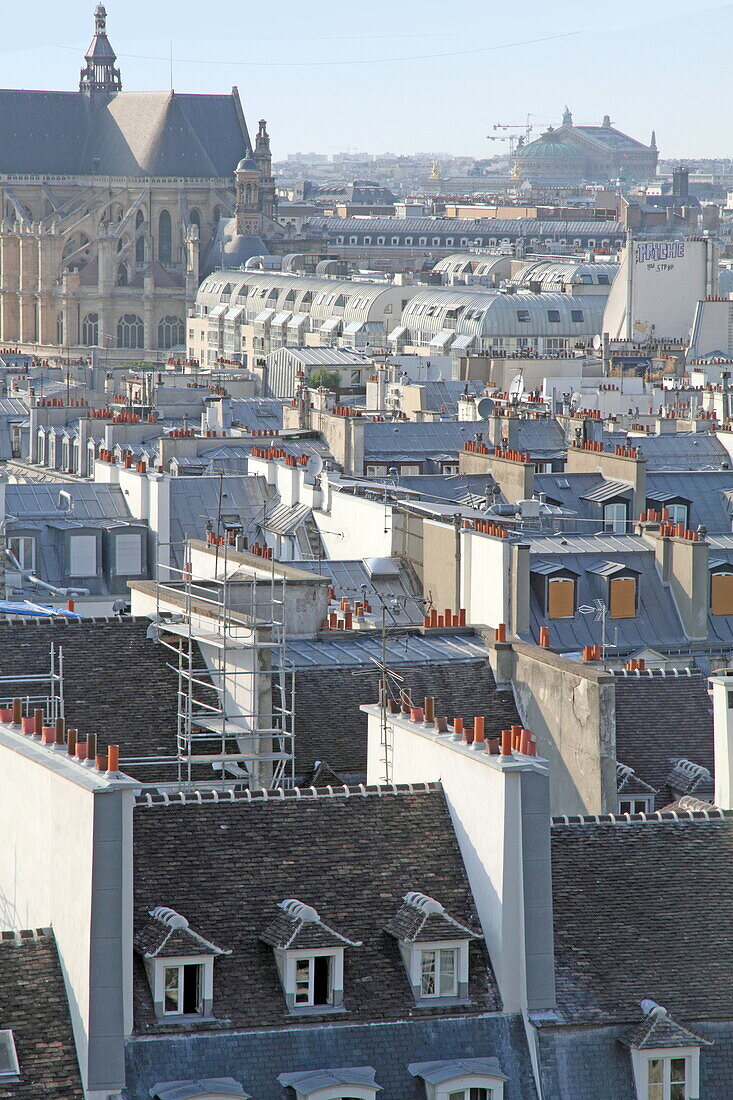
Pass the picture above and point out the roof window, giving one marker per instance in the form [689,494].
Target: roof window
[461,1079]
[553,315]
[309,955]
[345,1083]
[434,948]
[523,315]
[665,1056]
[179,964]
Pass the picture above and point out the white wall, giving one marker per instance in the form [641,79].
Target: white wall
[502,825]
[354,527]
[65,863]
[485,578]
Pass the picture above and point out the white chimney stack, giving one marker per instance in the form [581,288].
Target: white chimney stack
[721,683]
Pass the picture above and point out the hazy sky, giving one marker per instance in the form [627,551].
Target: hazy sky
[332,76]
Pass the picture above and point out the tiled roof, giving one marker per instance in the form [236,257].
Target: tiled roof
[330,726]
[352,857]
[660,718]
[298,925]
[643,909]
[658,1029]
[168,935]
[426,923]
[102,696]
[33,1005]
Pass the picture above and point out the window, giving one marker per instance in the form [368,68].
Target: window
[603,279]
[721,594]
[634,805]
[438,973]
[139,238]
[130,331]
[472,1094]
[577,315]
[523,315]
[8,1058]
[677,513]
[90,330]
[560,598]
[23,549]
[83,556]
[668,1079]
[614,517]
[622,597]
[128,553]
[165,248]
[314,980]
[183,990]
[170,332]
[553,315]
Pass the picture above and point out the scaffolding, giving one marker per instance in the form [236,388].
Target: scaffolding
[228,641]
[45,690]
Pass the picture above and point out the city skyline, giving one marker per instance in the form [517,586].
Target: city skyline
[333,87]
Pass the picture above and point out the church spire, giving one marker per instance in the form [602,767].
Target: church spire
[100,74]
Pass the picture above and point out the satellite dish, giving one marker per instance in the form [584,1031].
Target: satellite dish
[314,466]
[597,343]
[484,408]
[516,389]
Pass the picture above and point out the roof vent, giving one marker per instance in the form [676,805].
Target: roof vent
[297,910]
[168,916]
[423,903]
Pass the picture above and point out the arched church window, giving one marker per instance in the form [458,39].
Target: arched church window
[130,331]
[122,276]
[164,237]
[170,332]
[90,330]
[59,328]
[196,220]
[140,238]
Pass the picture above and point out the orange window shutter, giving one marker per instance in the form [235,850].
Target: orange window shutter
[561,598]
[623,598]
[721,594]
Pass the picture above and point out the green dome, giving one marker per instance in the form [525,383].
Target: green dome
[549,145]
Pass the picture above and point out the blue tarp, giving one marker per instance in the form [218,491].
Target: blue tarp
[36,610]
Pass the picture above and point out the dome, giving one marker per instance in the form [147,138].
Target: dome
[549,145]
[247,164]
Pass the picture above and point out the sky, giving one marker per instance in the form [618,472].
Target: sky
[431,77]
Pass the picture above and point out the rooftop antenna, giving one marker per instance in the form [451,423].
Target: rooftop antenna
[171,52]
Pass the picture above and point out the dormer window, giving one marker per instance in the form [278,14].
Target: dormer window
[461,1079]
[665,1056]
[345,1083]
[9,1067]
[179,963]
[309,955]
[721,588]
[556,587]
[434,949]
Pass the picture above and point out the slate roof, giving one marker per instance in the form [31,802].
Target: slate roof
[33,1005]
[659,718]
[228,882]
[257,1057]
[130,134]
[627,898]
[438,1072]
[329,725]
[415,924]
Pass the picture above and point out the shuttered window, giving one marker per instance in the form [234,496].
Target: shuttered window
[560,598]
[721,594]
[623,597]
[128,553]
[83,556]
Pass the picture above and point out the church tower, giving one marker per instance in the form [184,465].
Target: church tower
[247,205]
[263,159]
[100,74]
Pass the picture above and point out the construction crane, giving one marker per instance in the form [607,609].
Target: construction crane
[517,135]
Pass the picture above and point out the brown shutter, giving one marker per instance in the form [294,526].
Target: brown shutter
[721,594]
[560,598]
[623,598]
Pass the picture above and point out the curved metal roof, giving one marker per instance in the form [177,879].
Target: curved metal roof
[472,228]
[491,313]
[555,273]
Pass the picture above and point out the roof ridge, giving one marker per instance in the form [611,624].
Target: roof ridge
[209,797]
[713,813]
